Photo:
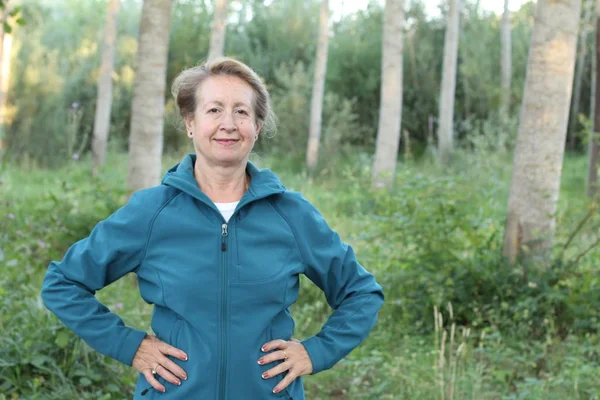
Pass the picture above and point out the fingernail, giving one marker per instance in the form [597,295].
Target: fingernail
[178,382]
[164,390]
[275,390]
[185,377]
[186,357]
[264,376]
[260,362]
[263,348]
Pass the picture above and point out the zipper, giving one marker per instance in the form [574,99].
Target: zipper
[224,271]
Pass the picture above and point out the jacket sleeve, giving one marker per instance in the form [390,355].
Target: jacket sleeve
[350,289]
[115,247]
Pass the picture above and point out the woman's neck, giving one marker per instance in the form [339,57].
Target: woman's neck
[221,184]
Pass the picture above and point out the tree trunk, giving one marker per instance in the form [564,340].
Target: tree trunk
[580,66]
[390,109]
[5,49]
[316,105]
[104,95]
[217,34]
[148,105]
[542,131]
[445,129]
[594,143]
[506,62]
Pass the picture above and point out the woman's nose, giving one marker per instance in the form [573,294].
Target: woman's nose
[227,122]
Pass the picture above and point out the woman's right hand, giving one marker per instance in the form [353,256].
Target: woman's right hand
[151,359]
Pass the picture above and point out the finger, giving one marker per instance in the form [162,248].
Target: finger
[152,381]
[285,382]
[295,340]
[278,369]
[169,377]
[274,356]
[274,344]
[174,368]
[172,351]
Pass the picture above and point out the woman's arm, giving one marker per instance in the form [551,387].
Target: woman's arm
[349,288]
[115,247]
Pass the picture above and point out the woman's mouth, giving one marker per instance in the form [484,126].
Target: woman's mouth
[227,142]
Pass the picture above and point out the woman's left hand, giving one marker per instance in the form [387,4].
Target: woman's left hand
[295,360]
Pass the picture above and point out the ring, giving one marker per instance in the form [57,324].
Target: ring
[154,369]
[285,356]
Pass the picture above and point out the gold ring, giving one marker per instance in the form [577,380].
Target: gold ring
[285,356]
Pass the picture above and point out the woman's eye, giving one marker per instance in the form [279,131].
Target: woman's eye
[244,112]
[213,110]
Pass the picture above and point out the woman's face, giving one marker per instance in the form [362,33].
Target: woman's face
[224,127]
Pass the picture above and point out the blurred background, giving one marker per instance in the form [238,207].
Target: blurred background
[453,143]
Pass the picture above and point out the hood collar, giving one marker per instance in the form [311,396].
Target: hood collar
[263,182]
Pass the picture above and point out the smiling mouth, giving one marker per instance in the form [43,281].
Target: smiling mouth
[227,141]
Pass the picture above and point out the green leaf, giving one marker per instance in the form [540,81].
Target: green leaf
[85,381]
[62,339]
[7,28]
[20,21]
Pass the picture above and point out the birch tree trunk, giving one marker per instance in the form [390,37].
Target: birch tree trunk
[542,131]
[148,105]
[217,33]
[594,143]
[506,63]
[316,105]
[390,109]
[104,95]
[445,129]
[579,67]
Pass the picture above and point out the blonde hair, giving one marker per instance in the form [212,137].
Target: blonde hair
[185,88]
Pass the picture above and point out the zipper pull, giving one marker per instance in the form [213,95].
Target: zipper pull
[223,236]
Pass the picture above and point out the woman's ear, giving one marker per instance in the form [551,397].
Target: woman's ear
[259,126]
[189,126]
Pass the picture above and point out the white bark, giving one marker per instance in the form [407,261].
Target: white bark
[542,131]
[390,108]
[445,129]
[148,105]
[316,105]
[579,67]
[594,145]
[217,34]
[506,62]
[104,95]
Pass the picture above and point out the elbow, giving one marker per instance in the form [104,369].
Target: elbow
[50,287]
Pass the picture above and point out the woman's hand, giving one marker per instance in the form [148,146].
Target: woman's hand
[151,359]
[295,360]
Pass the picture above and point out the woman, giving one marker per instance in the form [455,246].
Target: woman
[218,248]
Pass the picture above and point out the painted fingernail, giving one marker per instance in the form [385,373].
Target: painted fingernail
[185,377]
[186,357]
[275,390]
[263,348]
[164,390]
[260,362]
[265,375]
[178,383]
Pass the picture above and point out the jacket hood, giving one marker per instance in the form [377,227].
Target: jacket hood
[263,182]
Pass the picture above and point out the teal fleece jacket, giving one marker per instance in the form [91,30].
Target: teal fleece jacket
[220,290]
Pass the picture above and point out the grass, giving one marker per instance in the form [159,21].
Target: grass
[409,355]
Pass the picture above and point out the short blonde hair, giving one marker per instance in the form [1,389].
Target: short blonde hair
[185,88]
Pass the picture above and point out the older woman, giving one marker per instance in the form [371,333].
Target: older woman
[218,248]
